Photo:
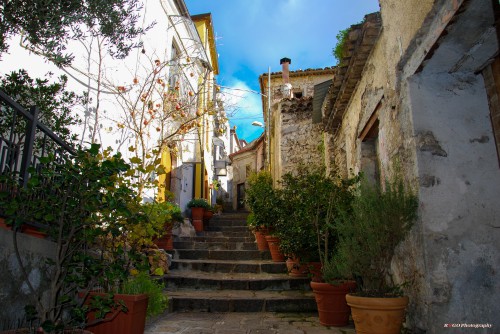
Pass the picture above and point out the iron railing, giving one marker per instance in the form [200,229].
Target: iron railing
[24,140]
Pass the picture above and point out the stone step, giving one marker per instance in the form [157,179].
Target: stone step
[208,233]
[227,222]
[232,216]
[198,254]
[215,239]
[215,245]
[230,266]
[218,228]
[241,301]
[233,281]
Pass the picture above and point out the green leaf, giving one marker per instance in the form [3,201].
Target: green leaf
[94,149]
[49,217]
[161,170]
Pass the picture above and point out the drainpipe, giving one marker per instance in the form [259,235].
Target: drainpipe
[267,136]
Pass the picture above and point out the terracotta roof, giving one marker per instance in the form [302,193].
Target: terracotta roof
[300,72]
[296,104]
[253,144]
[361,40]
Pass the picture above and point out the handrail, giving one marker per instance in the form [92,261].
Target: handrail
[18,155]
[16,106]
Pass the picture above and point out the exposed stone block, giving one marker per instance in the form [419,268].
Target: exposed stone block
[427,142]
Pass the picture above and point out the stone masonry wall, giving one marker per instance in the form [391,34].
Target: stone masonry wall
[306,136]
[300,139]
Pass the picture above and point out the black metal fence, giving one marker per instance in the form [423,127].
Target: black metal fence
[24,140]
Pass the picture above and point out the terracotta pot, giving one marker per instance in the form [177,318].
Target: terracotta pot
[33,231]
[165,241]
[295,268]
[131,322]
[315,271]
[377,315]
[27,331]
[260,238]
[330,299]
[3,225]
[274,244]
[198,225]
[197,213]
[207,215]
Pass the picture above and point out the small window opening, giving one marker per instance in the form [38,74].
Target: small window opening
[369,149]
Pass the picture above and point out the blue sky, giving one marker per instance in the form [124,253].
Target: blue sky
[255,34]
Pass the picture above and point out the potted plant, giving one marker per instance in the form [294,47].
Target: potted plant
[314,200]
[87,208]
[260,233]
[368,236]
[162,218]
[208,213]
[219,204]
[132,295]
[264,202]
[300,199]
[197,206]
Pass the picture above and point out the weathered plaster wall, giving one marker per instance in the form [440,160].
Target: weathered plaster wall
[435,126]
[302,81]
[182,185]
[239,165]
[401,20]
[395,150]
[14,292]
[459,178]
[373,93]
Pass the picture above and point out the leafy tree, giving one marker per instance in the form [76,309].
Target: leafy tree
[55,104]
[158,112]
[49,25]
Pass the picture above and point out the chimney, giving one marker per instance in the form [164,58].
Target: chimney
[287,86]
[285,62]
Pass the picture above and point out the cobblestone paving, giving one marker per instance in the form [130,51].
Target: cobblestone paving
[241,323]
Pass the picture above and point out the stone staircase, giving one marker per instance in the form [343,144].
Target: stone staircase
[221,270]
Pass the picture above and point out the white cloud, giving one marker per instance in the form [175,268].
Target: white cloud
[243,106]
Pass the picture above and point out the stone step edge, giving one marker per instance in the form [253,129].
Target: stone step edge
[239,294]
[228,266]
[239,302]
[217,276]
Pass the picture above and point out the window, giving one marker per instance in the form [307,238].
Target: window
[248,170]
[174,66]
[369,149]
[297,94]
